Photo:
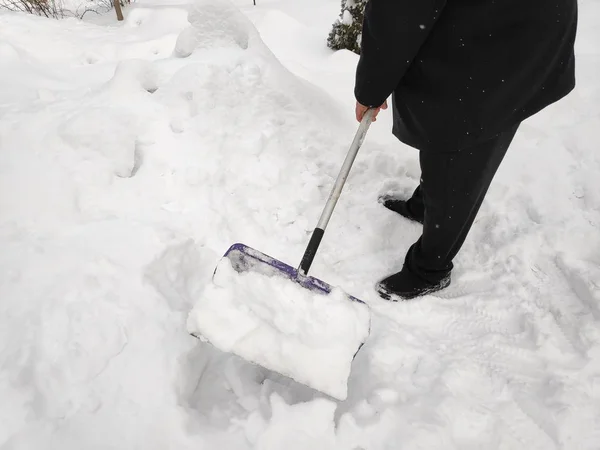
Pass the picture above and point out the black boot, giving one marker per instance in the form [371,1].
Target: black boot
[401,207]
[406,285]
[414,280]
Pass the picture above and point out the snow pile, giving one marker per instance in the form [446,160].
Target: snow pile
[275,322]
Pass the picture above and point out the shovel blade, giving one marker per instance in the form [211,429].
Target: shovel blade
[318,354]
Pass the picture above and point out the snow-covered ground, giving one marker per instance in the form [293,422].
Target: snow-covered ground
[133,154]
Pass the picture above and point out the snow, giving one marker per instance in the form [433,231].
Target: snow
[269,320]
[133,154]
[347,18]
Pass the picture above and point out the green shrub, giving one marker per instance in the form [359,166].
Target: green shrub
[347,29]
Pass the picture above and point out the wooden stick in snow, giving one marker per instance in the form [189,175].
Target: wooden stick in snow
[118,10]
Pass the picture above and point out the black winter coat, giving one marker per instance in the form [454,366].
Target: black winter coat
[460,71]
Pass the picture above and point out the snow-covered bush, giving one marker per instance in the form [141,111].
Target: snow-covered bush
[347,29]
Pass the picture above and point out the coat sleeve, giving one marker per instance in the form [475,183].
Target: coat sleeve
[392,33]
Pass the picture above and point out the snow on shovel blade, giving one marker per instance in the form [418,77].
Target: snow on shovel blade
[262,310]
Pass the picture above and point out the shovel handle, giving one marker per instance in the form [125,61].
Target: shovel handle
[319,231]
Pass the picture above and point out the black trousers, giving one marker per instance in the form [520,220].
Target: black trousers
[453,186]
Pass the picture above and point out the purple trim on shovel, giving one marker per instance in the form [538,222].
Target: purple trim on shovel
[244,258]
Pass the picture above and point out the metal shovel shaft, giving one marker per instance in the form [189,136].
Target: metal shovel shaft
[336,191]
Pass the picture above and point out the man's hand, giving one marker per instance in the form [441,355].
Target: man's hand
[361,110]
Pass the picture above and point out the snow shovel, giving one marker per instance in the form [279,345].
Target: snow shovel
[244,259]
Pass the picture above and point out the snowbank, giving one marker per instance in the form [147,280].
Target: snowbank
[113,169]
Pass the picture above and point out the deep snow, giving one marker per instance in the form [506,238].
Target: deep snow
[132,155]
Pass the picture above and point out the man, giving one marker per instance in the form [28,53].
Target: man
[463,74]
